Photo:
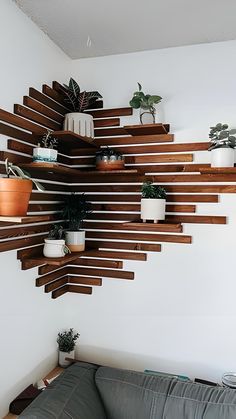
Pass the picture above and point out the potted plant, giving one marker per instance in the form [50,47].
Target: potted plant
[66,346]
[45,150]
[222,145]
[146,105]
[109,159]
[78,121]
[76,209]
[55,246]
[153,202]
[15,191]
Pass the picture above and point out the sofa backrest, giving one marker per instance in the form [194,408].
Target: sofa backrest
[136,395]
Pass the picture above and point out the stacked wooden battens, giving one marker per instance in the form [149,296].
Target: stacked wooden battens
[114,232]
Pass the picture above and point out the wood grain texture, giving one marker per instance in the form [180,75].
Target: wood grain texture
[118,255]
[139,139]
[137,207]
[159,227]
[169,188]
[107,113]
[46,279]
[159,158]
[164,148]
[42,109]
[106,273]
[15,133]
[46,100]
[137,246]
[169,198]
[198,219]
[86,280]
[166,238]
[19,122]
[60,291]
[36,117]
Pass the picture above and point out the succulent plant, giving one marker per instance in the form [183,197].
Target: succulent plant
[108,152]
[56,232]
[221,137]
[48,140]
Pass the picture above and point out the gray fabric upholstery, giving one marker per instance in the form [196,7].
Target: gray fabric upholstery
[134,395]
[73,395]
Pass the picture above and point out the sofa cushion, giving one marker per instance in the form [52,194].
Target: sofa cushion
[135,395]
[72,395]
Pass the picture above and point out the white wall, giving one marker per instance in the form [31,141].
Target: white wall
[29,319]
[179,313]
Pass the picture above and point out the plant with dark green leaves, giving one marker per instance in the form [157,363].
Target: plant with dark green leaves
[12,169]
[67,340]
[57,232]
[147,102]
[76,100]
[108,153]
[48,140]
[76,209]
[222,137]
[150,191]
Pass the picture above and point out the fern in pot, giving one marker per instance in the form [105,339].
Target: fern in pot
[66,346]
[55,246]
[46,149]
[79,101]
[76,209]
[223,143]
[153,202]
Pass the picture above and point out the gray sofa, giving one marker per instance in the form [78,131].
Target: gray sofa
[87,391]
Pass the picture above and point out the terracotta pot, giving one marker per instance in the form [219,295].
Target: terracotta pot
[110,164]
[14,196]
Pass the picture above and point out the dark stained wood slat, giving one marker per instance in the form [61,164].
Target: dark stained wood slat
[119,255]
[56,284]
[85,280]
[112,264]
[195,178]
[53,94]
[166,238]
[36,117]
[56,261]
[44,110]
[80,289]
[107,113]
[60,291]
[159,158]
[106,273]
[164,148]
[29,251]
[168,188]
[162,168]
[46,279]
[137,207]
[15,133]
[107,132]
[218,170]
[147,129]
[21,122]
[102,244]
[14,158]
[19,243]
[20,147]
[159,227]
[169,198]
[69,140]
[44,196]
[110,122]
[139,139]
[50,168]
[199,219]
[44,207]
[46,100]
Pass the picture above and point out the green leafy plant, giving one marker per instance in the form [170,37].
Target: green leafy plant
[67,340]
[48,140]
[78,101]
[222,137]
[57,232]
[13,170]
[150,191]
[76,209]
[109,152]
[140,100]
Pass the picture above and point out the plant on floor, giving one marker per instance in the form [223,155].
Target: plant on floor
[150,191]
[146,103]
[78,100]
[221,137]
[67,340]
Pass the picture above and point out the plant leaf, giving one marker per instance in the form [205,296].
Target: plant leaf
[139,87]
[74,87]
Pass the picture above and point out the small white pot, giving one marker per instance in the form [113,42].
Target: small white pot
[153,209]
[54,248]
[75,240]
[62,358]
[222,157]
[48,155]
[80,123]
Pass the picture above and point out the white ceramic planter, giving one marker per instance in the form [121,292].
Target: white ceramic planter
[48,155]
[153,209]
[80,123]
[222,157]
[54,248]
[75,240]
[62,358]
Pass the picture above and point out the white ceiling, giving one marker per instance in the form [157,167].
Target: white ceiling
[124,26]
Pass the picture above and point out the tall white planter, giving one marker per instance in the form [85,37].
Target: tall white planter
[75,240]
[62,358]
[153,209]
[54,248]
[222,157]
[41,154]
[80,123]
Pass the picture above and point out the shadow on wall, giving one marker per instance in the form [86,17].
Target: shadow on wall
[139,362]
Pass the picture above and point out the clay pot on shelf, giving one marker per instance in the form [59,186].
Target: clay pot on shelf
[109,159]
[14,196]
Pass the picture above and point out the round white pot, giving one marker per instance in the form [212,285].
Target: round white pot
[80,123]
[222,157]
[62,358]
[75,240]
[153,209]
[48,155]
[54,248]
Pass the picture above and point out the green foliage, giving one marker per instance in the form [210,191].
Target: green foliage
[48,140]
[12,169]
[140,100]
[150,191]
[75,210]
[222,137]
[78,101]
[56,232]
[67,340]
[109,152]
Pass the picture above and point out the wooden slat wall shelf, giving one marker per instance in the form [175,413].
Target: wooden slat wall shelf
[114,232]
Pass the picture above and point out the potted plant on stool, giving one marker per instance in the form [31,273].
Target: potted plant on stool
[222,145]
[78,121]
[55,246]
[45,151]
[76,209]
[15,191]
[66,345]
[146,105]
[153,202]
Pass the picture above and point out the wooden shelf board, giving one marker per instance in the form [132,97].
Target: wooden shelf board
[70,140]
[41,260]
[140,225]
[27,219]
[53,168]
[218,170]
[147,129]
[103,172]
